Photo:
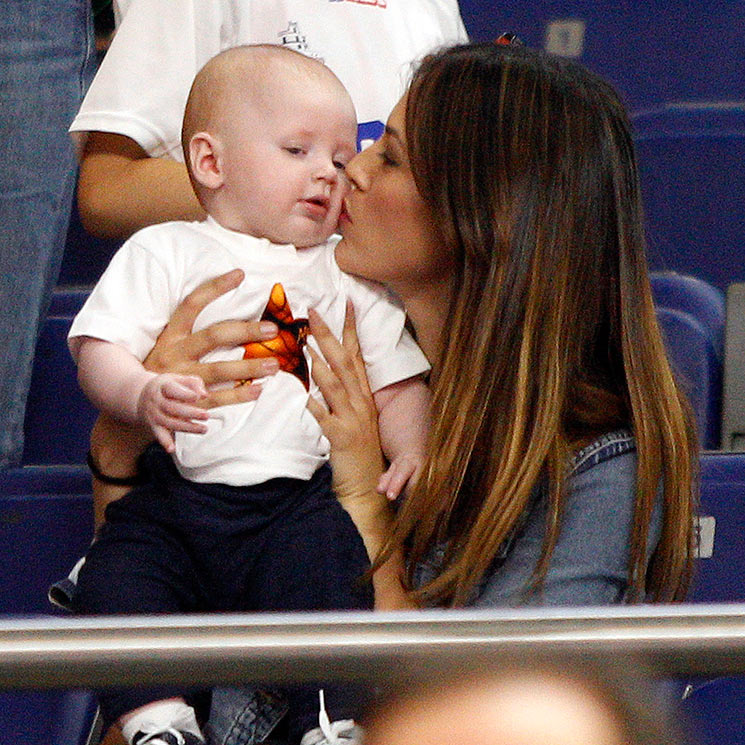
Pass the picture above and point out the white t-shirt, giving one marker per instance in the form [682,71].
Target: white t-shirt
[276,435]
[141,88]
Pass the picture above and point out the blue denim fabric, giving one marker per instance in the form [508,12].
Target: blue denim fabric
[46,58]
[589,565]
[243,716]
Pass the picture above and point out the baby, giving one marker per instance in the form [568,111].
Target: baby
[240,515]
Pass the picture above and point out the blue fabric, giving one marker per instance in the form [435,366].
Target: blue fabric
[589,565]
[46,57]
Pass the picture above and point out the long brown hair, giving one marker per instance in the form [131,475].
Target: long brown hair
[528,162]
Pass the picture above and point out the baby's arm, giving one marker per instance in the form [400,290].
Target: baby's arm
[117,384]
[403,420]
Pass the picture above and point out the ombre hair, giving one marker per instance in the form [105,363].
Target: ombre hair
[527,162]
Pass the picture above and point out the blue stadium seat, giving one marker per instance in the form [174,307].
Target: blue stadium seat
[46,717]
[716,708]
[721,578]
[693,182]
[46,519]
[67,301]
[698,367]
[58,416]
[653,52]
[46,524]
[692,295]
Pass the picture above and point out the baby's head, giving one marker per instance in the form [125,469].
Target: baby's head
[267,134]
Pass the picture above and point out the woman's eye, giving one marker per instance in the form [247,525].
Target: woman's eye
[387,158]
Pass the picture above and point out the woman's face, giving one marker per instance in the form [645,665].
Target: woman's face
[389,233]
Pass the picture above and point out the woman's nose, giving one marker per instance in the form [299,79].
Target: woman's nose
[357,169]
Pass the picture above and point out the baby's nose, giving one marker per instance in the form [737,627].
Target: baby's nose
[326,170]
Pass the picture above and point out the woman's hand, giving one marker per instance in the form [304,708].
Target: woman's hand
[351,425]
[178,350]
[115,447]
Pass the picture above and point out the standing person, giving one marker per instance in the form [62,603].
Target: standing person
[45,55]
[245,519]
[132,171]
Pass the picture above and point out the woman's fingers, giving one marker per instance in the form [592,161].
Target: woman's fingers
[179,350]
[182,320]
[342,379]
[351,343]
[228,334]
[238,394]
[319,411]
[341,404]
[182,353]
[230,371]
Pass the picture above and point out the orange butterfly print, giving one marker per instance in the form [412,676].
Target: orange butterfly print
[288,345]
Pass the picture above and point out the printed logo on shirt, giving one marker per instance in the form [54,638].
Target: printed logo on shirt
[368,132]
[289,343]
[293,38]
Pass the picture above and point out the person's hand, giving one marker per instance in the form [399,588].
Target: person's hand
[403,472]
[178,350]
[115,446]
[167,404]
[350,422]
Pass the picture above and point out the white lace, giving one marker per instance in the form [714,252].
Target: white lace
[154,738]
[332,730]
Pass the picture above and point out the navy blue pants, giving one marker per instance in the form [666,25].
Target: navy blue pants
[173,546]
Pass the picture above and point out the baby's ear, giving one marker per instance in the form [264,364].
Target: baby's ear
[205,159]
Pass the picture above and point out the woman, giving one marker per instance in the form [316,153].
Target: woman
[509,179]
[502,205]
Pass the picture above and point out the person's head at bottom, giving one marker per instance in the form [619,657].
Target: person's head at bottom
[527,705]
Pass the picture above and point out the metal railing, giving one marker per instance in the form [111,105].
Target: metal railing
[384,648]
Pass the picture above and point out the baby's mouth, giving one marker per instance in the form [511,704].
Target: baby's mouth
[317,206]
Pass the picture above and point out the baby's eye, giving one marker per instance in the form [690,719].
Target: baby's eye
[340,165]
[294,150]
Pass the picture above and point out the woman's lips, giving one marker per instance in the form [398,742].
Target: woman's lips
[344,215]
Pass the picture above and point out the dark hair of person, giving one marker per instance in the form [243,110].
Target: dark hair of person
[528,162]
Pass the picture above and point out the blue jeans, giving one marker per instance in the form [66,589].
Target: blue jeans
[46,57]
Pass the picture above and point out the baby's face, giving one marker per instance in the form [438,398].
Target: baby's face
[285,160]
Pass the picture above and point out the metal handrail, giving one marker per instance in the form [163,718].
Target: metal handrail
[380,647]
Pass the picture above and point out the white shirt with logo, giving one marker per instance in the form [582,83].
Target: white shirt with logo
[275,435]
[141,88]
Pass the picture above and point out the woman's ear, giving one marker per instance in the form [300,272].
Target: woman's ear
[205,156]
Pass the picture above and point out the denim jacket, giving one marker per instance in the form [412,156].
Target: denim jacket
[589,566]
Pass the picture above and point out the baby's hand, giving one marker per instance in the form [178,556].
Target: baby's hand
[165,404]
[403,472]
